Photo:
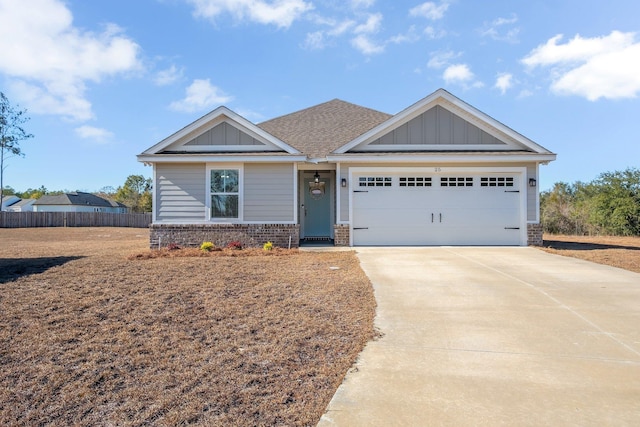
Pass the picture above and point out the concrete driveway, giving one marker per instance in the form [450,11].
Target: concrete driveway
[495,336]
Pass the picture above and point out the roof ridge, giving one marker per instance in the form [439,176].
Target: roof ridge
[334,100]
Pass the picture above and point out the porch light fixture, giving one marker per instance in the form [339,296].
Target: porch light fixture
[532,182]
[343,182]
[316,177]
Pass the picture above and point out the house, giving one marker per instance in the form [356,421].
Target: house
[8,201]
[22,205]
[77,202]
[439,172]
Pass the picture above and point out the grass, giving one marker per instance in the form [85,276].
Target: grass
[616,251]
[94,331]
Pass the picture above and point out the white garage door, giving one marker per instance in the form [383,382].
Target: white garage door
[424,209]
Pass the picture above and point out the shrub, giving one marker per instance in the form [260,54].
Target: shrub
[267,246]
[173,247]
[235,245]
[207,246]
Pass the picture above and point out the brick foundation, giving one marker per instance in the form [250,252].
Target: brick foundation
[534,234]
[250,235]
[341,235]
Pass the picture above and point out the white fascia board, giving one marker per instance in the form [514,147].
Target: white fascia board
[211,117]
[429,102]
[440,158]
[214,158]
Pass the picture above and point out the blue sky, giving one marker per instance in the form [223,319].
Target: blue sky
[104,80]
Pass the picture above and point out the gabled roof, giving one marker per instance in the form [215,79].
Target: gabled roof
[207,122]
[23,202]
[78,199]
[319,130]
[445,99]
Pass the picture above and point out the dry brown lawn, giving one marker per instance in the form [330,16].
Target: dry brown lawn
[621,252]
[90,337]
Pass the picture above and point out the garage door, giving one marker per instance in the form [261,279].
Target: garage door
[424,209]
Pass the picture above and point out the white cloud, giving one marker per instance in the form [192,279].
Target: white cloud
[314,41]
[434,34]
[409,37]
[362,4]
[281,13]
[366,45]
[371,26]
[504,82]
[97,134]
[460,74]
[594,68]
[430,10]
[441,59]
[168,76]
[501,29]
[200,95]
[49,61]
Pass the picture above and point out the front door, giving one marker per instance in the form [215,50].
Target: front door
[317,208]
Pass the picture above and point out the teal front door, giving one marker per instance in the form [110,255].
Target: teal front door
[317,209]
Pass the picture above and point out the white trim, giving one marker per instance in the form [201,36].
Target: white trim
[213,166]
[338,194]
[521,171]
[217,116]
[218,158]
[296,208]
[437,147]
[441,158]
[199,149]
[154,198]
[442,97]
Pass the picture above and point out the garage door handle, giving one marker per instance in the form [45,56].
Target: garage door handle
[360,191]
[360,228]
[440,217]
[431,217]
[512,228]
[511,191]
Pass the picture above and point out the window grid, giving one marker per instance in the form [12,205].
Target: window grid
[456,181]
[415,181]
[374,181]
[496,181]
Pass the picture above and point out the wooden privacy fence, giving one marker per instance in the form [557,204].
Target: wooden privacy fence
[73,219]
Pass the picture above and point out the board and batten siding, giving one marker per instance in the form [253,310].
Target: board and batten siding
[269,192]
[437,126]
[181,192]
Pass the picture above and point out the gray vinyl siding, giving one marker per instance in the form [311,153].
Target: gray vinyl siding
[532,193]
[224,134]
[269,192]
[437,126]
[181,192]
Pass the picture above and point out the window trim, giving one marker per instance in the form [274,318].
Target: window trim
[219,166]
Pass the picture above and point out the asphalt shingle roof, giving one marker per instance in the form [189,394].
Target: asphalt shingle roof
[319,130]
[77,199]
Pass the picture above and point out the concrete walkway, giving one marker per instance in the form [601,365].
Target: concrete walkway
[495,336]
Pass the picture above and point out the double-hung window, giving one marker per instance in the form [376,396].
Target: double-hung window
[225,193]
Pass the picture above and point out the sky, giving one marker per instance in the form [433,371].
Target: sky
[104,80]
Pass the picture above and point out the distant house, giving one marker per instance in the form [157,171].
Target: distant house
[22,205]
[77,202]
[8,201]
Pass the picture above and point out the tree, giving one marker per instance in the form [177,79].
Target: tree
[135,193]
[11,134]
